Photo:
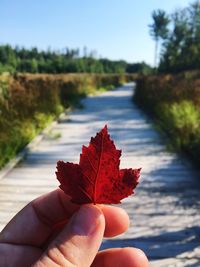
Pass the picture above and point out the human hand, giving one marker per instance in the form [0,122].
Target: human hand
[51,231]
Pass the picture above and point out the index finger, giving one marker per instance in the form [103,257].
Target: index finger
[34,224]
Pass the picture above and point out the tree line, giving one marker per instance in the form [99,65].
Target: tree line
[20,59]
[178,35]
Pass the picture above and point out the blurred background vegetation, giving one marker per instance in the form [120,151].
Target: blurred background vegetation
[28,102]
[18,59]
[172,95]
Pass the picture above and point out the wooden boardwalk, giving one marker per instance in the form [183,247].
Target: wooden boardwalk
[165,212]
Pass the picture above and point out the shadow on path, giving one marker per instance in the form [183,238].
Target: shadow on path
[165,245]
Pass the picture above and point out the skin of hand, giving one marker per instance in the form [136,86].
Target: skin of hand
[51,231]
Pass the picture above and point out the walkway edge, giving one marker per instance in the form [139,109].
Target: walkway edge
[32,144]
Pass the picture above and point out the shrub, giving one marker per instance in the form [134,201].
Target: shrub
[174,103]
[29,102]
[181,121]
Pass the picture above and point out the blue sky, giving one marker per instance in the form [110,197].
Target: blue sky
[117,29]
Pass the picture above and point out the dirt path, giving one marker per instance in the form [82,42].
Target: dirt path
[165,212]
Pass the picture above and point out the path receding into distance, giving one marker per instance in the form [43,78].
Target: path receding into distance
[165,211]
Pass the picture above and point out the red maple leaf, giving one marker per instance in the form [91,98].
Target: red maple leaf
[97,178]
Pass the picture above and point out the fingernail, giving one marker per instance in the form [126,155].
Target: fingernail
[86,220]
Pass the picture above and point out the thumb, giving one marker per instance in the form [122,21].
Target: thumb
[78,243]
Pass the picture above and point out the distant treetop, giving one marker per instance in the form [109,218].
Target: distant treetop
[66,61]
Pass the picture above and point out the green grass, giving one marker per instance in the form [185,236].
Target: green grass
[181,121]
[20,134]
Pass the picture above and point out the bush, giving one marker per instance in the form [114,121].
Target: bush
[174,103]
[29,102]
[181,121]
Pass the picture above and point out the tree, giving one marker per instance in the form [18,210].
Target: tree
[158,29]
[171,57]
[181,48]
[61,61]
